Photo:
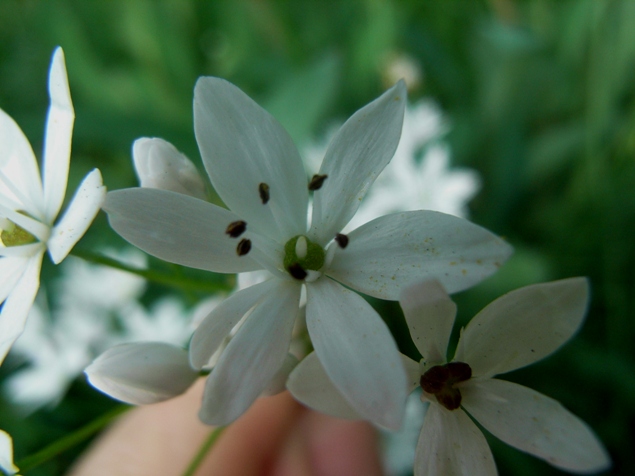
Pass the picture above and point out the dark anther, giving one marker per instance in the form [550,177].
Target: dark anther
[236,228]
[243,247]
[440,381]
[435,379]
[316,181]
[263,190]
[297,271]
[341,240]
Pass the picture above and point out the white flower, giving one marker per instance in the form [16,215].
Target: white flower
[29,205]
[6,454]
[257,172]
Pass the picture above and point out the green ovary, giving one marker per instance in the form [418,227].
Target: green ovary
[15,235]
[313,260]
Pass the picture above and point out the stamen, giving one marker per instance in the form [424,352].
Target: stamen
[236,228]
[301,247]
[263,190]
[440,381]
[297,271]
[316,181]
[341,240]
[243,247]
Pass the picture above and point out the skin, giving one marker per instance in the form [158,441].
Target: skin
[276,437]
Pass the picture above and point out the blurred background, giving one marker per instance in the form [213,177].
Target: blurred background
[539,99]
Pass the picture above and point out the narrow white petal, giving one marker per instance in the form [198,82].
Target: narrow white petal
[430,315]
[309,384]
[450,444]
[357,351]
[243,146]
[278,382]
[78,216]
[252,357]
[523,326]
[142,372]
[22,251]
[535,423]
[6,454]
[356,156]
[11,268]
[177,228]
[210,334]
[19,173]
[18,304]
[395,250]
[57,140]
[160,165]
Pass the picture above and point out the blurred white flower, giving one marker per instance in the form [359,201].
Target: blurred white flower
[6,454]
[29,205]
[517,329]
[96,308]
[419,176]
[402,66]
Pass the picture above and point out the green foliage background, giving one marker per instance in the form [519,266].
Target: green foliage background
[540,95]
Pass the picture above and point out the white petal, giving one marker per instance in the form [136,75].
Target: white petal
[356,156]
[16,308]
[177,228]
[279,380]
[142,372]
[78,216]
[160,165]
[6,454]
[523,326]
[11,268]
[392,251]
[57,140]
[19,173]
[210,334]
[243,146]
[535,423]
[309,384]
[430,315]
[450,444]
[357,351]
[252,357]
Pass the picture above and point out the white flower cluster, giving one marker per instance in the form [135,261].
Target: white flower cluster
[301,231]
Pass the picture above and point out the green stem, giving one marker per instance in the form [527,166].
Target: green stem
[159,277]
[71,440]
[203,450]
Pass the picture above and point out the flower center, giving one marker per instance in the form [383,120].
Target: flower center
[15,235]
[440,381]
[302,255]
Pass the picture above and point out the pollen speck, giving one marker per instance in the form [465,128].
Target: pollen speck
[263,191]
[341,240]
[316,181]
[243,247]
[236,228]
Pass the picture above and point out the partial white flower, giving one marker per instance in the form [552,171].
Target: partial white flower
[257,172]
[159,165]
[516,330]
[29,205]
[94,308]
[6,454]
